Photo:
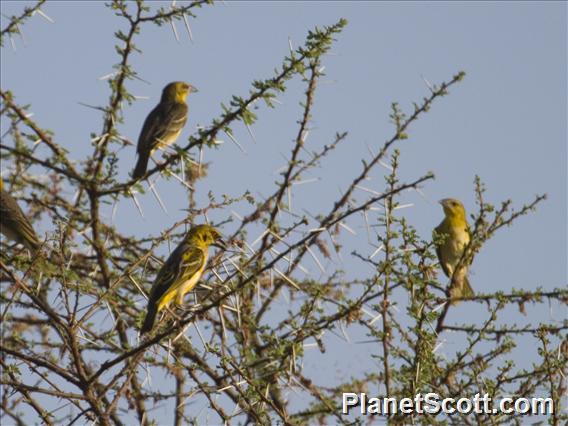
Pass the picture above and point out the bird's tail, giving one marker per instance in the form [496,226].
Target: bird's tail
[150,318]
[460,288]
[141,165]
[466,290]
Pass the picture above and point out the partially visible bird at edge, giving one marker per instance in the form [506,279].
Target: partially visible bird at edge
[14,224]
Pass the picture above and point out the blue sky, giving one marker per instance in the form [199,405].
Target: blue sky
[506,122]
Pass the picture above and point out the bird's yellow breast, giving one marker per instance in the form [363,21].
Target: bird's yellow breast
[453,246]
[163,143]
[188,285]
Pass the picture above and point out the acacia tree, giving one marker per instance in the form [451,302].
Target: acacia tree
[233,348]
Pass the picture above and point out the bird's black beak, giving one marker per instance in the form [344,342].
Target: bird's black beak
[193,89]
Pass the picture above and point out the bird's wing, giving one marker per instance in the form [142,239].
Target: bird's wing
[185,261]
[164,122]
[192,262]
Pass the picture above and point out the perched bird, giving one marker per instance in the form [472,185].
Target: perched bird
[14,224]
[453,236]
[164,124]
[182,271]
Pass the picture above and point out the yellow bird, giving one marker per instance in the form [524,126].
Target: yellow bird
[14,224]
[182,271]
[164,124]
[454,235]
